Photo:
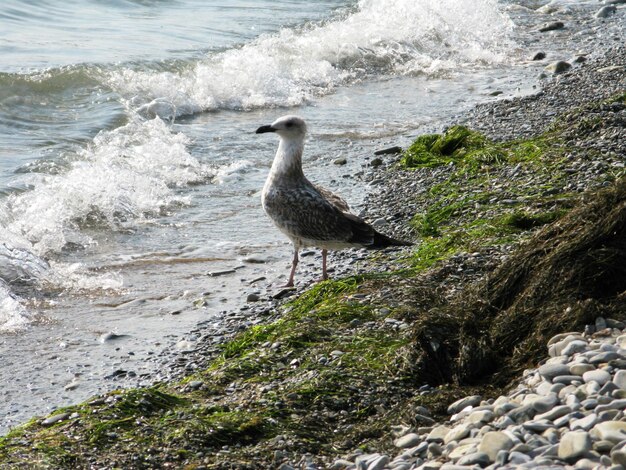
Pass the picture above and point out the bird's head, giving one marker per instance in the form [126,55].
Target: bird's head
[289,127]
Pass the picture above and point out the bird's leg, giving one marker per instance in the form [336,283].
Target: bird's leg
[294,263]
[324,273]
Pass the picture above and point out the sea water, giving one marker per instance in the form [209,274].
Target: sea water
[130,171]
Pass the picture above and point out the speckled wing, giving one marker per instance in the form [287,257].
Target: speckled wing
[333,198]
[302,212]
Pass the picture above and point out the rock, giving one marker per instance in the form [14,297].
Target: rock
[580,368]
[613,431]
[340,161]
[107,337]
[585,423]
[457,433]
[558,67]
[49,421]
[552,26]
[567,379]
[459,405]
[253,297]
[555,413]
[409,440]
[220,273]
[376,162]
[389,151]
[460,451]
[481,416]
[574,347]
[603,357]
[193,385]
[620,379]
[541,405]
[438,433]
[599,376]
[618,455]
[475,458]
[574,444]
[539,56]
[493,442]
[549,371]
[538,426]
[605,11]
[378,463]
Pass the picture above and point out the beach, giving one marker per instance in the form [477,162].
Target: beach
[359,371]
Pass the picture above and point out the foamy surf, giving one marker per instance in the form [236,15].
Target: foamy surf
[125,175]
[296,65]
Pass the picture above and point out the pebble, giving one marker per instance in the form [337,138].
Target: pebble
[540,424]
[463,403]
[409,440]
[574,444]
[493,442]
[620,379]
[605,11]
[49,421]
[599,376]
[558,67]
[552,26]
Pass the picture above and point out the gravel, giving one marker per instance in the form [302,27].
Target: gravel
[542,425]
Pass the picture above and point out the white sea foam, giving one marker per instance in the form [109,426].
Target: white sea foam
[382,37]
[13,316]
[126,174]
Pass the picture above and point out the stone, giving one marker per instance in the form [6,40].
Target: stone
[605,11]
[603,357]
[566,379]
[620,379]
[599,376]
[253,297]
[340,161]
[537,426]
[608,389]
[580,368]
[573,445]
[49,421]
[481,416]
[613,431]
[574,347]
[459,405]
[409,440]
[603,446]
[378,463]
[549,371]
[552,26]
[457,433]
[555,413]
[618,455]
[461,451]
[585,423]
[493,442]
[517,458]
[475,458]
[389,151]
[438,433]
[558,67]
[539,56]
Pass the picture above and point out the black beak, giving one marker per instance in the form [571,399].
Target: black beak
[264,129]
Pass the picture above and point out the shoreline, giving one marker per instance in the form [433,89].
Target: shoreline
[394,214]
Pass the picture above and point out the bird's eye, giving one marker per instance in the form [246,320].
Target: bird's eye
[289,124]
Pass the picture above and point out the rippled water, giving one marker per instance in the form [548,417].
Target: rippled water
[129,167]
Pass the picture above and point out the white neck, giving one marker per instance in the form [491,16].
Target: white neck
[288,159]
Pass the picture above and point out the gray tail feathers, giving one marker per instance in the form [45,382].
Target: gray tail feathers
[383,241]
[364,234]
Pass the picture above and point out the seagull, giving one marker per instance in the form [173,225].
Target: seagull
[307,214]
